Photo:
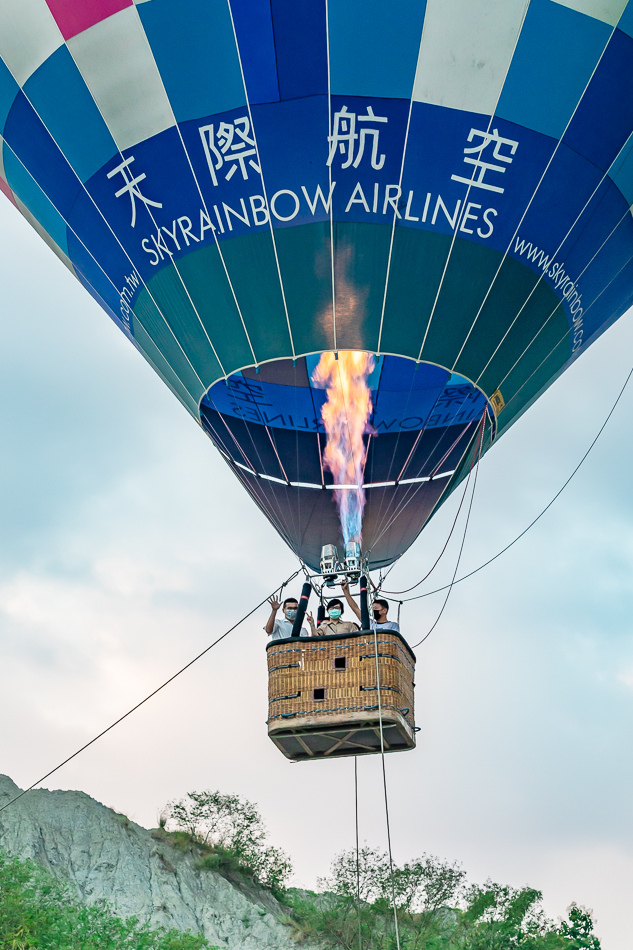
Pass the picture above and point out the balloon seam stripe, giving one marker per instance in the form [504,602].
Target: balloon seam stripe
[568,331]
[414,489]
[107,224]
[534,193]
[107,277]
[544,510]
[410,494]
[330,195]
[262,502]
[255,449]
[542,275]
[218,248]
[461,549]
[382,517]
[559,304]
[440,555]
[395,214]
[587,265]
[261,166]
[204,204]
[468,189]
[220,254]
[147,207]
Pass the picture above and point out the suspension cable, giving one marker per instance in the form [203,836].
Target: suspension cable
[384,785]
[450,534]
[461,549]
[360,933]
[464,577]
[150,695]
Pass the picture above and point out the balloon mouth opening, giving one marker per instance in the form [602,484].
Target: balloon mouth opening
[400,430]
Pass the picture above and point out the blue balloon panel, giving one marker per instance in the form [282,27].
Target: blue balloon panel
[246,184]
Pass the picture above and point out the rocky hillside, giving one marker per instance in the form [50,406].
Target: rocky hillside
[105,856]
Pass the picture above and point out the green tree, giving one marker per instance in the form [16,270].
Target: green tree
[578,929]
[357,906]
[435,910]
[231,826]
[498,917]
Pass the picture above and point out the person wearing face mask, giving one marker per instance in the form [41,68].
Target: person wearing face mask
[380,616]
[380,608]
[333,625]
[281,627]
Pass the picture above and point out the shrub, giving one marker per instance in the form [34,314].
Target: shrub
[232,829]
[435,910]
[37,912]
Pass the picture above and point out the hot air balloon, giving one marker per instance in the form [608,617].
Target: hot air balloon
[246,185]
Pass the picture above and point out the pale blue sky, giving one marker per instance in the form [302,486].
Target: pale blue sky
[126,546]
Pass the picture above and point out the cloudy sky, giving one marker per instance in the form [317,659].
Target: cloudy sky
[126,546]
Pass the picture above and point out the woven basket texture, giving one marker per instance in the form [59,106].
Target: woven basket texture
[297,668]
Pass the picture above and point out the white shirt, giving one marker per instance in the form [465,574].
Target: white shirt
[388,625]
[283,629]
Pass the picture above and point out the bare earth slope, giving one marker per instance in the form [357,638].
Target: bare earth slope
[106,856]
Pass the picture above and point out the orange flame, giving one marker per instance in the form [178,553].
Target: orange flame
[345,417]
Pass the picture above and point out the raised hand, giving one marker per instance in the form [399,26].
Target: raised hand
[274,603]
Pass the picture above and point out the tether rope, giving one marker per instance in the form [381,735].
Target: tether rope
[150,695]
[464,577]
[461,549]
[360,933]
[384,785]
[450,534]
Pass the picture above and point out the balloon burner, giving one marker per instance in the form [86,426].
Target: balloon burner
[350,566]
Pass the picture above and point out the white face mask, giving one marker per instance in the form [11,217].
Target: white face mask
[291,613]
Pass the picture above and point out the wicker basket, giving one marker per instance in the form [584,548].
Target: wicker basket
[323,695]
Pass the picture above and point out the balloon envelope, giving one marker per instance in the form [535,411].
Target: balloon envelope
[245,184]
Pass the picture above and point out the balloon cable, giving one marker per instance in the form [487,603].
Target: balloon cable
[450,535]
[360,931]
[476,455]
[150,695]
[464,577]
[385,793]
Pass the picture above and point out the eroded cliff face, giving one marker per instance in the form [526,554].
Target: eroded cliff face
[105,856]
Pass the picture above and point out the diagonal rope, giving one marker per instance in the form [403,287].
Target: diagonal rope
[461,549]
[450,534]
[412,490]
[381,516]
[545,509]
[149,696]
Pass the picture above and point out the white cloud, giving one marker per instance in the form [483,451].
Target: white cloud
[127,547]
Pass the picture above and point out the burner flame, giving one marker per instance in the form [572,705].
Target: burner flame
[345,417]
